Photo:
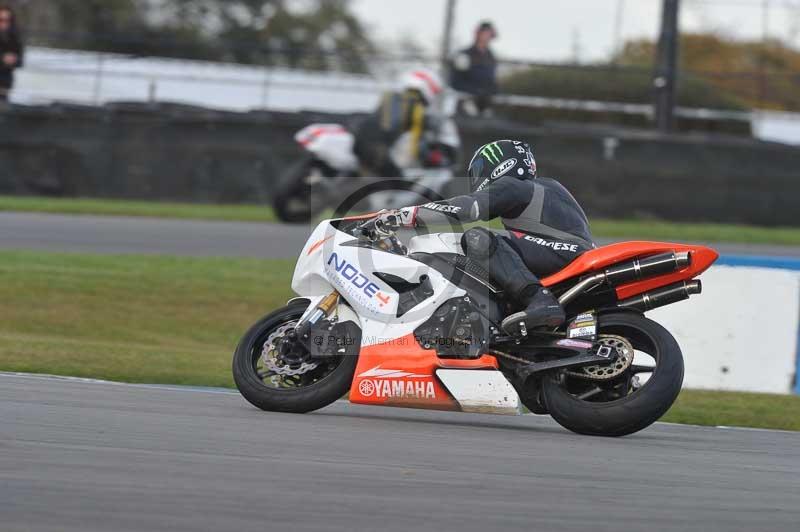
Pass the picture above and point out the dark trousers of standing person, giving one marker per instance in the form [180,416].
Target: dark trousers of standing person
[6,83]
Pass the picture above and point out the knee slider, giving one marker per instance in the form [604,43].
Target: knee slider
[479,243]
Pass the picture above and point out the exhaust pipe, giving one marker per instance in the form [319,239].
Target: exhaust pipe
[630,271]
[663,296]
[649,267]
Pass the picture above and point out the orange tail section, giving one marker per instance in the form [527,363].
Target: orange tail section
[598,259]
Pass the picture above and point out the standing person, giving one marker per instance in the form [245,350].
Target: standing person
[474,71]
[11,50]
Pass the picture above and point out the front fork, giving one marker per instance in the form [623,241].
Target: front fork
[322,311]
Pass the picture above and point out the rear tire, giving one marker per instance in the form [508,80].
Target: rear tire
[320,394]
[636,411]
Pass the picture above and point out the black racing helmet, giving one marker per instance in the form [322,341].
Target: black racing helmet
[498,159]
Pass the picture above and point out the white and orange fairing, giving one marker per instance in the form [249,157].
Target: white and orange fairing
[393,368]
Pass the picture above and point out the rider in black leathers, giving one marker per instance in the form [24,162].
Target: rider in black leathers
[546,228]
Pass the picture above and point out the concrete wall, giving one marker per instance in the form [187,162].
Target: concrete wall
[742,333]
[190,154]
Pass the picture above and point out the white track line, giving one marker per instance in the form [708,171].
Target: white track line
[166,387]
[224,391]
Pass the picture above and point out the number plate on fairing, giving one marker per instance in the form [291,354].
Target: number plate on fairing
[584,327]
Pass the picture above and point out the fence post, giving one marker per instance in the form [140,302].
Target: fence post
[447,38]
[152,92]
[762,74]
[797,363]
[618,20]
[265,89]
[98,79]
[667,65]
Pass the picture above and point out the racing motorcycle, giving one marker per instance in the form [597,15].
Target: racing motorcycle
[417,326]
[331,171]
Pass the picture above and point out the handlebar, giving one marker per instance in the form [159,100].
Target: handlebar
[374,229]
[368,229]
[369,224]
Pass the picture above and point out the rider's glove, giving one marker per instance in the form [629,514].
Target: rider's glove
[392,220]
[407,217]
[388,221]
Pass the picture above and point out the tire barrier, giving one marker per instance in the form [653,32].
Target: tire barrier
[183,153]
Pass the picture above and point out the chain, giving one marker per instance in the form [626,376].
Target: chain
[509,357]
[597,372]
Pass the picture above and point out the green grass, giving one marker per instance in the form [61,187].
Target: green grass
[134,319]
[624,229]
[152,209]
[696,232]
[177,321]
[735,409]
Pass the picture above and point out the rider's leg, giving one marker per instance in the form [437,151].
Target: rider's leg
[545,257]
[375,158]
[509,271]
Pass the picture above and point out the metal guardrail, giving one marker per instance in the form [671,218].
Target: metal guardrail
[98,70]
[627,108]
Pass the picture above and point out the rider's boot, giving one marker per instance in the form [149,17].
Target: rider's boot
[543,311]
[508,270]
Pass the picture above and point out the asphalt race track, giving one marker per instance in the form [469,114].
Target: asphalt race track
[150,236]
[121,235]
[79,456]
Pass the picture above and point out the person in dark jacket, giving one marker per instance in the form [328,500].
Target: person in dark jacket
[546,228]
[474,71]
[11,50]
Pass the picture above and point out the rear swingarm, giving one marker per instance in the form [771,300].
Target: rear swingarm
[570,353]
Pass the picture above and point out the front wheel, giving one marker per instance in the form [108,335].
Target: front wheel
[280,377]
[293,200]
[627,395]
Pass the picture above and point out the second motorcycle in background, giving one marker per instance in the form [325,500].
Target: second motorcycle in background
[411,138]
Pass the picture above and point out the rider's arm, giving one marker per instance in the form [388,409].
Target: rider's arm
[507,197]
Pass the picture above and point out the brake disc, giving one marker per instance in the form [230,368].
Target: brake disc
[269,354]
[623,350]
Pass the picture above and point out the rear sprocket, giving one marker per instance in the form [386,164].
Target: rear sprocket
[619,362]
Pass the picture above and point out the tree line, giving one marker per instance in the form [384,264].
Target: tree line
[761,74]
[328,35]
[315,34]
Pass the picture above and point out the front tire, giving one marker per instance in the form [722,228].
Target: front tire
[643,406]
[311,395]
[291,200]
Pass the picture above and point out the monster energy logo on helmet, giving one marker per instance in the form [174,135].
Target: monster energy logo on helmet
[492,152]
[498,159]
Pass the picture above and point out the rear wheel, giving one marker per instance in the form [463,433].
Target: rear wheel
[276,375]
[628,394]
